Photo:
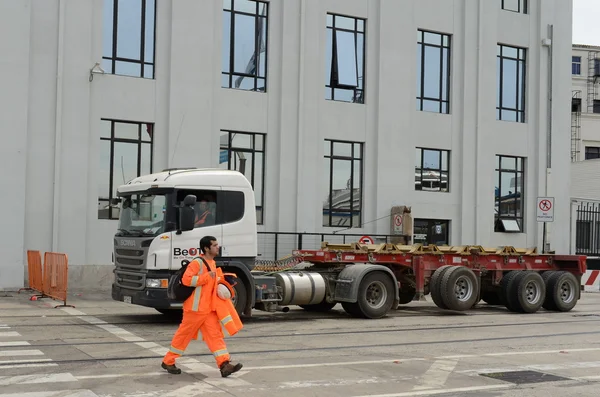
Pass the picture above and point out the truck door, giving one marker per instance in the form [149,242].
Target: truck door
[186,245]
[237,214]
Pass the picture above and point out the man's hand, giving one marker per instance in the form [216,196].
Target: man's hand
[212,274]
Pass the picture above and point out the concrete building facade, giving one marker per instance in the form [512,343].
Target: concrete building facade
[340,109]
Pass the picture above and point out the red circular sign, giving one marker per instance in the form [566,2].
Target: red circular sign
[397,220]
[366,240]
[545,205]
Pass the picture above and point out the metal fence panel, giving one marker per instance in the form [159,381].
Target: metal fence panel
[587,229]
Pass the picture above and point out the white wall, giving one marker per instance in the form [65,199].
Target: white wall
[189,108]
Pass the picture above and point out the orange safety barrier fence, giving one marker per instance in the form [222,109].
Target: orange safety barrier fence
[34,270]
[56,276]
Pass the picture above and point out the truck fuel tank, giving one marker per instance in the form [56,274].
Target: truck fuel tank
[301,288]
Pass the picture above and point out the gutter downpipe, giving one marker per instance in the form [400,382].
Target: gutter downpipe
[58,125]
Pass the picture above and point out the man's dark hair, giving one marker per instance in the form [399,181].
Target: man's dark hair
[205,242]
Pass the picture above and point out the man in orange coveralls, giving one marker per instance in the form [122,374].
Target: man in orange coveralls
[199,313]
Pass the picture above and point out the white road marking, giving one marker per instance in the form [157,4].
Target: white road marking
[15,353]
[29,365]
[194,390]
[440,391]
[36,378]
[538,367]
[437,375]
[14,343]
[7,334]
[591,349]
[341,363]
[61,393]
[24,361]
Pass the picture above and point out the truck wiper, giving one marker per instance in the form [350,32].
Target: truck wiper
[124,232]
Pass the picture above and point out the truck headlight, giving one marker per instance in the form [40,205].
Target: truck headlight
[157,283]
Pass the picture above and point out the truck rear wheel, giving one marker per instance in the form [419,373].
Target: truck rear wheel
[561,292]
[460,288]
[526,292]
[434,286]
[375,296]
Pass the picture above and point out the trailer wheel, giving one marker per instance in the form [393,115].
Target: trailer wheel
[434,286]
[375,296]
[460,288]
[527,292]
[406,296]
[561,292]
[506,285]
[491,297]
[322,307]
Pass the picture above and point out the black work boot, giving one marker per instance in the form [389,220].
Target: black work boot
[172,369]
[227,368]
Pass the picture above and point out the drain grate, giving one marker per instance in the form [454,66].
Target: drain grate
[524,377]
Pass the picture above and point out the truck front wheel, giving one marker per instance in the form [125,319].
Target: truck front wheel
[240,299]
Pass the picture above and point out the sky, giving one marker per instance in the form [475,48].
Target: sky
[586,29]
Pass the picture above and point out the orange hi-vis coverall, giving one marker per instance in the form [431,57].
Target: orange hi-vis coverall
[202,312]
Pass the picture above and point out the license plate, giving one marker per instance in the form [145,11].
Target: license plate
[127,299]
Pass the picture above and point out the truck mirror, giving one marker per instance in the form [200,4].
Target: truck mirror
[189,200]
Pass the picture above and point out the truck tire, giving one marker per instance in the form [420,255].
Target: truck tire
[434,286]
[375,296]
[506,285]
[351,308]
[527,292]
[460,288]
[406,296]
[491,297]
[322,307]
[240,299]
[561,292]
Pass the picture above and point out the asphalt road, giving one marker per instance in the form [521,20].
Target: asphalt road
[103,348]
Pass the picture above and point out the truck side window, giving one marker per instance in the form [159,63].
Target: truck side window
[231,206]
[206,206]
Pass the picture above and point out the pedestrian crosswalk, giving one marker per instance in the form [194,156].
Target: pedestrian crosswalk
[7,337]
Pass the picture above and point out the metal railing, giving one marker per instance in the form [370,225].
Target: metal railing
[278,245]
[587,229]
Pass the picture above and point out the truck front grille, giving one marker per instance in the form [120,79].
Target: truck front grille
[130,271]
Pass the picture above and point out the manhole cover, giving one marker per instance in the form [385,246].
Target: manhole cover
[523,377]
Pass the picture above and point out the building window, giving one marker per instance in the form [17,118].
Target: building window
[244,56]
[592,152]
[128,37]
[509,194]
[125,154]
[576,65]
[515,5]
[343,183]
[245,152]
[431,170]
[345,64]
[433,72]
[510,100]
[431,231]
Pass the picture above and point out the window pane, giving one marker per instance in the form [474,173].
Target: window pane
[147,131]
[444,160]
[148,71]
[498,80]
[149,34]
[262,39]
[432,73]
[431,106]
[419,67]
[327,148]
[511,5]
[145,161]
[124,164]
[129,29]
[520,86]
[360,39]
[105,126]
[258,178]
[128,69]
[226,42]
[344,22]
[346,59]
[432,38]
[245,6]
[509,84]
[328,56]
[343,95]
[244,42]
[357,151]
[104,170]
[242,162]
[329,20]
[508,163]
[511,52]
[509,115]
[107,28]
[418,158]
[445,53]
[356,194]
[341,182]
[259,142]
[107,65]
[242,141]
[431,159]
[342,149]
[360,25]
[325,189]
[227,4]
[127,131]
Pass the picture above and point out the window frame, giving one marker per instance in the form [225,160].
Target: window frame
[421,45]
[521,60]
[231,75]
[352,159]
[440,170]
[576,65]
[522,9]
[330,85]
[139,142]
[114,58]
[499,225]
[592,152]
[230,149]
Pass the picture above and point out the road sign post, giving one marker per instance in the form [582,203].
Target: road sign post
[545,214]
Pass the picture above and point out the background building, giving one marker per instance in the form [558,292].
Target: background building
[585,149]
[338,110]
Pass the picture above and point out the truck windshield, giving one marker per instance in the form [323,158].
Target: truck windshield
[142,215]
